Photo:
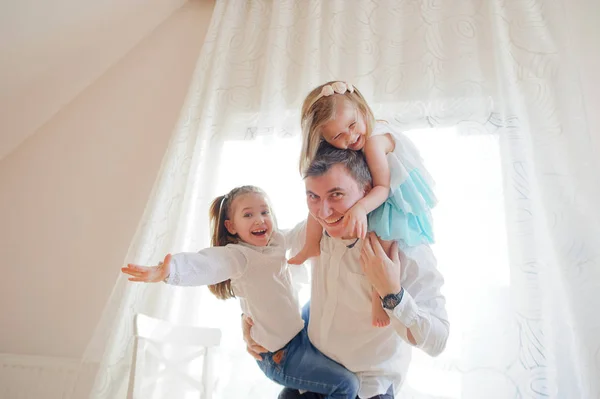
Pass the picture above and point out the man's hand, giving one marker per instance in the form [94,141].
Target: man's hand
[355,221]
[252,347]
[149,274]
[382,272]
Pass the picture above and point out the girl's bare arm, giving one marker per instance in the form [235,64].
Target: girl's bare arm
[376,150]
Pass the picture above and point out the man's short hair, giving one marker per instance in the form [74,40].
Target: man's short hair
[354,162]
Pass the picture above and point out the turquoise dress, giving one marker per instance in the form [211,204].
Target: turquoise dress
[406,214]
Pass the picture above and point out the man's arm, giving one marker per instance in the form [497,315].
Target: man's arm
[421,314]
[253,348]
[420,318]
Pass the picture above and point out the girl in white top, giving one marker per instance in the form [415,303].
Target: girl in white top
[398,207]
[248,261]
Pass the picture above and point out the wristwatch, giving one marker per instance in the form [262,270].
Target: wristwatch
[390,301]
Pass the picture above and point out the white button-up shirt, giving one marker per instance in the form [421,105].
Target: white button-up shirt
[340,312]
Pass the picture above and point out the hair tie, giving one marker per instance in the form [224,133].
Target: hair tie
[225,197]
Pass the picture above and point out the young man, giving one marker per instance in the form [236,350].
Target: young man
[343,275]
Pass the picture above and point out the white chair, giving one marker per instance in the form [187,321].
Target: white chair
[172,361]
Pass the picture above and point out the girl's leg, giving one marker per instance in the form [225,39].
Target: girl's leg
[312,245]
[379,316]
[303,367]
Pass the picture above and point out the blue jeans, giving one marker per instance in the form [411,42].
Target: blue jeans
[288,393]
[299,365]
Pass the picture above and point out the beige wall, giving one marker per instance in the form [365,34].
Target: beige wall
[53,50]
[72,194]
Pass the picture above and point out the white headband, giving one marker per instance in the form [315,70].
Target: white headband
[335,87]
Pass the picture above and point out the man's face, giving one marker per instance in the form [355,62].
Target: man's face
[329,197]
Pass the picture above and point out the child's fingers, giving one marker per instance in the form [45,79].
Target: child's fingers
[348,227]
[125,271]
[132,272]
[137,279]
[138,268]
[363,231]
[129,271]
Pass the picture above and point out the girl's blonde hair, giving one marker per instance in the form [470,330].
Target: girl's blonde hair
[318,110]
[220,212]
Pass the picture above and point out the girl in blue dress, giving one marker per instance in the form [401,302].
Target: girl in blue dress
[398,207]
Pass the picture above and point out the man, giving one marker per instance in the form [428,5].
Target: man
[342,277]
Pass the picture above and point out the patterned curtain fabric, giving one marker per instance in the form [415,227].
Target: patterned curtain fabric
[487,90]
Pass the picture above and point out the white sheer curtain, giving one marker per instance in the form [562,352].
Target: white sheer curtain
[487,91]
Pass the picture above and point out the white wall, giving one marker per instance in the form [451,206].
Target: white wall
[72,194]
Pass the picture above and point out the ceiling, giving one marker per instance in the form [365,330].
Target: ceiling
[52,50]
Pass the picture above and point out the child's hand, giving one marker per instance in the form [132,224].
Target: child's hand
[149,274]
[355,221]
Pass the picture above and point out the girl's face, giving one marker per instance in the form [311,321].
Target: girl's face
[250,218]
[347,129]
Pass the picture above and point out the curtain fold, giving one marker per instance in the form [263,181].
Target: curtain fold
[481,72]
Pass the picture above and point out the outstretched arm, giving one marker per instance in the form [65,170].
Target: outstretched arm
[209,266]
[149,274]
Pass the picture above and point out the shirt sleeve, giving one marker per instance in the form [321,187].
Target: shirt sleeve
[209,266]
[294,241]
[422,309]
[295,237]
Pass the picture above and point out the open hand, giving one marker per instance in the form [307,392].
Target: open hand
[355,221]
[148,274]
[382,272]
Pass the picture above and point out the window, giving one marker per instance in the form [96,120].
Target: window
[471,249]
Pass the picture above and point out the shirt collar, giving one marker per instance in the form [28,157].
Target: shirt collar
[349,243]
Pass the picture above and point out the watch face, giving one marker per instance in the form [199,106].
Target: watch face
[390,301]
